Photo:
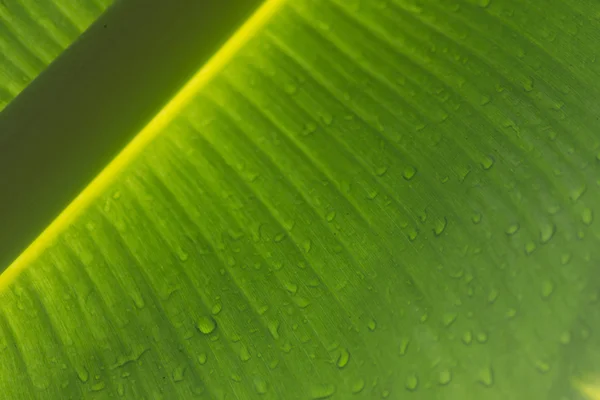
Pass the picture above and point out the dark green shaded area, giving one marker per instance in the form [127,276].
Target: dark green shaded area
[72,120]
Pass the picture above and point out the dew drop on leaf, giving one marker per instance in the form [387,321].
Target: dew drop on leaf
[409,172]
[565,338]
[380,171]
[290,88]
[301,302]
[291,287]
[216,309]
[440,226]
[404,342]
[206,325]
[343,358]
[96,387]
[486,376]
[372,325]
[547,232]
[260,385]
[542,366]
[476,218]
[547,288]
[482,337]
[178,373]
[530,248]
[449,318]
[82,373]
[512,229]
[467,337]
[330,216]
[492,296]
[274,329]
[487,162]
[565,258]
[307,245]
[202,358]
[245,353]
[587,216]
[412,382]
[319,392]
[309,128]
[358,386]
[445,377]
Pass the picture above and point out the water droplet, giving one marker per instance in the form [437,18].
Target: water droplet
[358,386]
[82,373]
[530,248]
[216,309]
[206,325]
[542,366]
[330,216]
[380,171]
[511,313]
[467,337]
[482,337]
[492,296]
[372,325]
[404,342]
[307,245]
[484,3]
[116,195]
[486,376]
[547,288]
[412,382]
[260,385]
[291,287]
[385,394]
[178,373]
[487,162]
[511,230]
[245,353]
[274,329]
[412,234]
[202,358]
[449,318]
[279,237]
[565,338]
[301,302]
[587,216]
[309,129]
[343,358]
[476,218]
[290,88]
[528,84]
[445,377]
[565,258]
[121,389]
[372,194]
[547,232]
[322,391]
[326,118]
[553,209]
[96,387]
[182,254]
[440,226]
[409,172]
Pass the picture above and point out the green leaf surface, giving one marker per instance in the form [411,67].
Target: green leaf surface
[374,199]
[34,32]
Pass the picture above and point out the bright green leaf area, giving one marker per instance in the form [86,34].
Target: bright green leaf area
[34,32]
[374,199]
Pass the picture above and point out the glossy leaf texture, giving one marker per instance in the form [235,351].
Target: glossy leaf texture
[374,199]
